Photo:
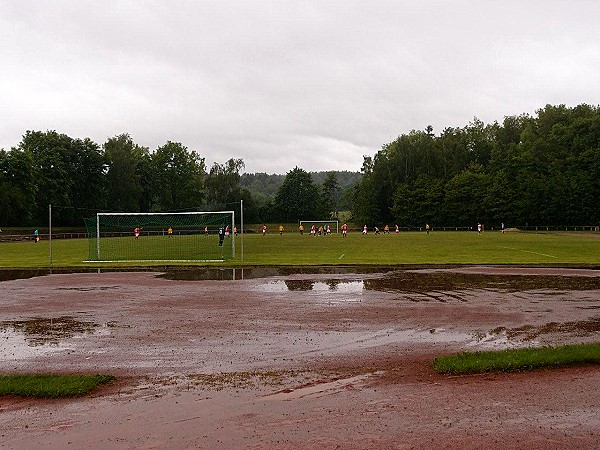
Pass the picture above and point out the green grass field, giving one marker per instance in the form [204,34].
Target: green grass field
[156,248]
[408,248]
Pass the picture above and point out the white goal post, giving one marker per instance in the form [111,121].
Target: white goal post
[174,236]
[308,223]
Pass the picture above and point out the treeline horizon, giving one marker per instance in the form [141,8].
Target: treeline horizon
[79,177]
[527,170]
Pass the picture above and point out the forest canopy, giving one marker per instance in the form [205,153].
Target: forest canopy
[78,178]
[527,170]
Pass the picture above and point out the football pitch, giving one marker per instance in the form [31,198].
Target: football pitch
[407,248]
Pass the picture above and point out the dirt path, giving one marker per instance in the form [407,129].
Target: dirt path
[299,361]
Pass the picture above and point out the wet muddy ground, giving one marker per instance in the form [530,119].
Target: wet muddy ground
[276,358]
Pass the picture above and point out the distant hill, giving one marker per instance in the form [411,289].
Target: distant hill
[263,187]
[345,178]
[261,184]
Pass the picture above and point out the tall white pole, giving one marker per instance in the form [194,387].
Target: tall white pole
[50,232]
[98,236]
[242,229]
[232,235]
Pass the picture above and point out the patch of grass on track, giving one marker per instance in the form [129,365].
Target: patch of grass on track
[50,386]
[517,360]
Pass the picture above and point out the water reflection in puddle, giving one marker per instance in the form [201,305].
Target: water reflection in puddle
[15,346]
[41,331]
[341,286]
[435,286]
[408,281]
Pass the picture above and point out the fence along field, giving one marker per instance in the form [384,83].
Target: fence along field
[405,248]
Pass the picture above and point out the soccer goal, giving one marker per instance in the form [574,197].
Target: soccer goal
[175,237]
[333,224]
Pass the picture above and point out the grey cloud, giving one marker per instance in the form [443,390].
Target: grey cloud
[273,82]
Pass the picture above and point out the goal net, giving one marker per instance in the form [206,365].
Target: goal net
[333,224]
[138,237]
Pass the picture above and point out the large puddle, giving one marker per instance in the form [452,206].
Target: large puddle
[338,285]
[436,286]
[435,281]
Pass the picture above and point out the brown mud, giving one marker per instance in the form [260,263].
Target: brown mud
[335,359]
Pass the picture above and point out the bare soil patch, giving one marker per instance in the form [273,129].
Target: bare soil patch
[300,360]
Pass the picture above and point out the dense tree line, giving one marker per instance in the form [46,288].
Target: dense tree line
[536,170]
[527,170]
[79,178]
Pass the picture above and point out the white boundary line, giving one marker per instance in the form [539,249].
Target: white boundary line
[527,251]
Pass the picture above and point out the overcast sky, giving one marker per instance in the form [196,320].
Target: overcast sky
[315,84]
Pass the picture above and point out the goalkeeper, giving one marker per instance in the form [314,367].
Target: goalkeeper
[221,236]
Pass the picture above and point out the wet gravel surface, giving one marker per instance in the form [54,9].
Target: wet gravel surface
[281,359]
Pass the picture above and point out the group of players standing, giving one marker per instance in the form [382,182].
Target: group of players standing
[386,229]
[322,230]
[326,230]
